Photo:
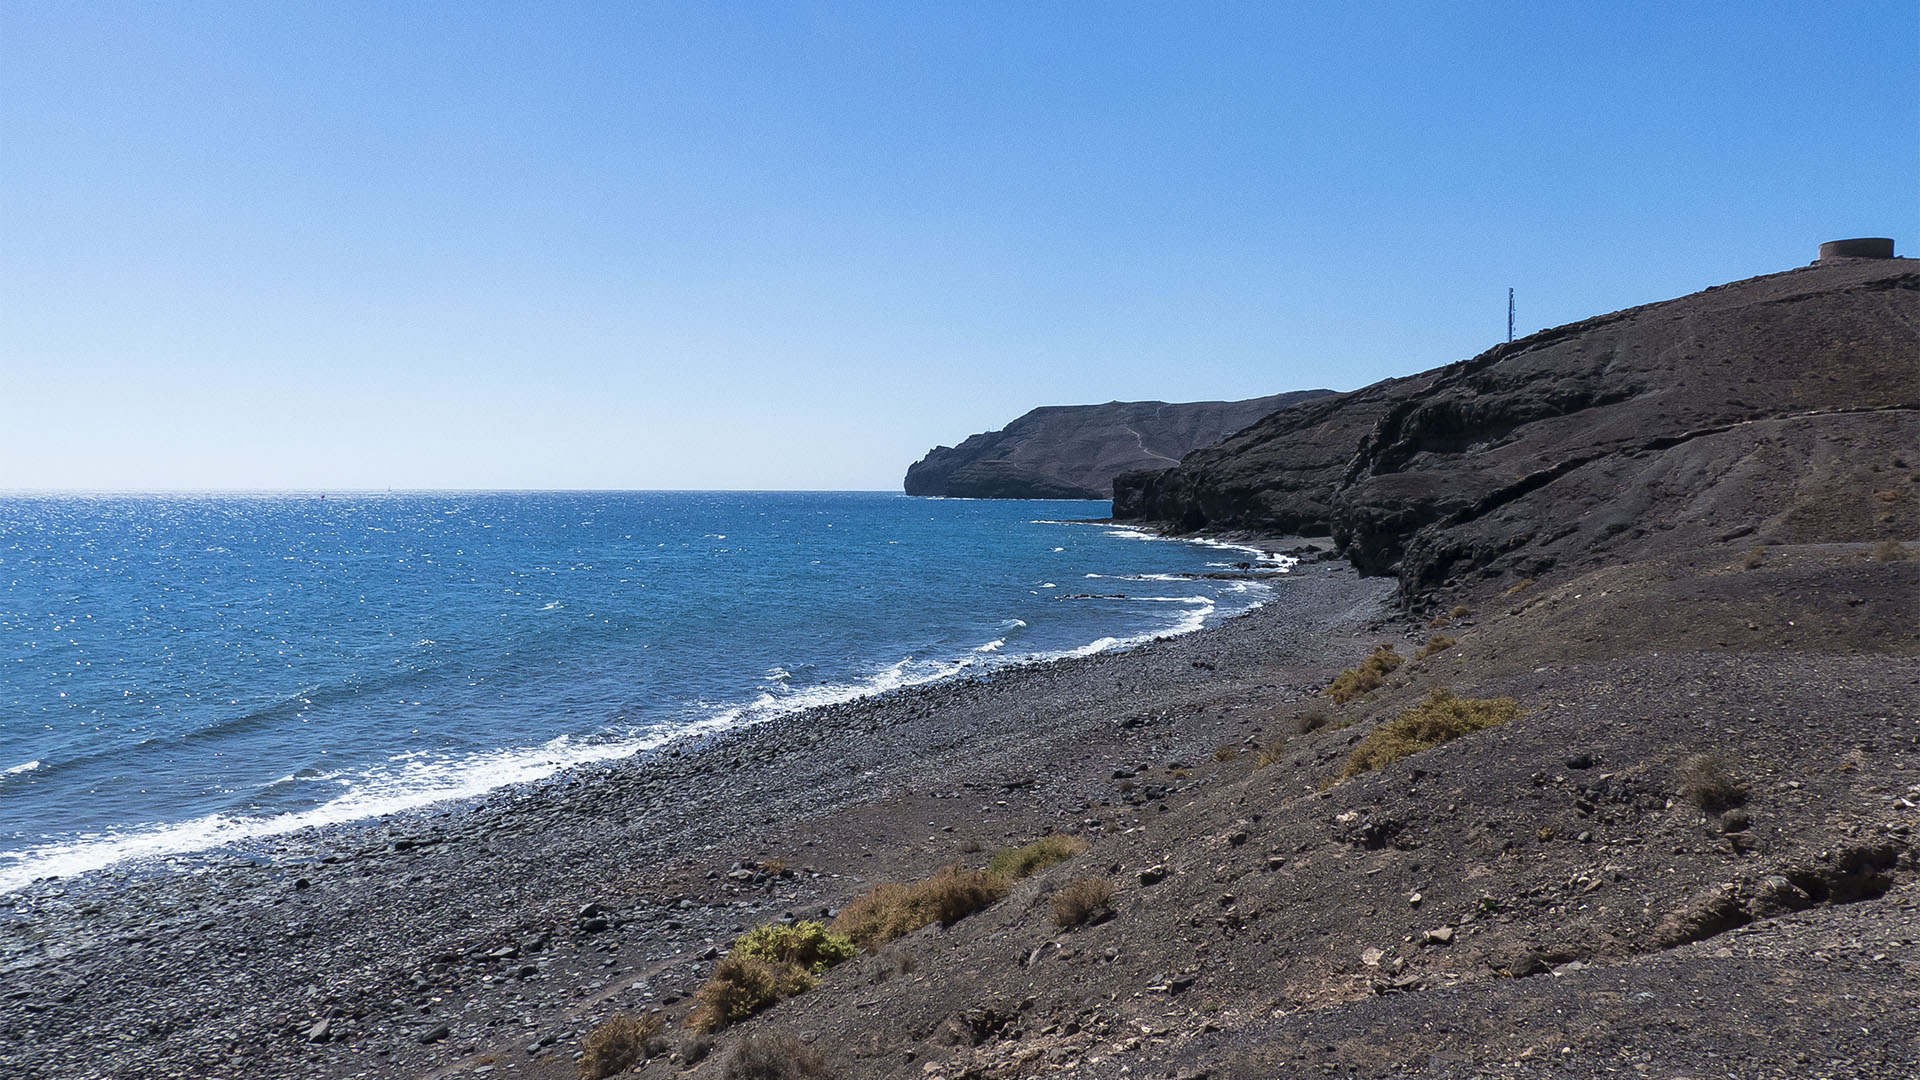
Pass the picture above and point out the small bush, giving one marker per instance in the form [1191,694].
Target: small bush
[1441,718]
[1754,559]
[1081,901]
[1226,753]
[1016,863]
[1438,621]
[1313,720]
[619,1044]
[1365,679]
[743,985]
[1889,551]
[1436,643]
[1460,611]
[777,1055]
[1518,585]
[1272,753]
[809,945]
[890,910]
[1708,782]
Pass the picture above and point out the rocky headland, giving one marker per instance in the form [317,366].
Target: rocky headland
[1680,540]
[1075,451]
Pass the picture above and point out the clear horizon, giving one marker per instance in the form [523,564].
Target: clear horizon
[791,247]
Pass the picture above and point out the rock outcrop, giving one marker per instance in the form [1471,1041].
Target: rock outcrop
[1075,451]
[1784,408]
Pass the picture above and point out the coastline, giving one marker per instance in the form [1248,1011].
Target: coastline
[333,925]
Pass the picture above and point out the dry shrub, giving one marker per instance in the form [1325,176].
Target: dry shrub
[776,867]
[1460,611]
[1272,753]
[1226,753]
[1708,782]
[890,910]
[1889,551]
[1441,718]
[777,1055]
[1517,586]
[1365,679]
[1436,643]
[1082,900]
[1438,621]
[1754,559]
[1313,720]
[1016,863]
[619,1044]
[743,985]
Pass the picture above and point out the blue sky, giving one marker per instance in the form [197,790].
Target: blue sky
[790,245]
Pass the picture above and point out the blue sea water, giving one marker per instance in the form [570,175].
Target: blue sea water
[181,671]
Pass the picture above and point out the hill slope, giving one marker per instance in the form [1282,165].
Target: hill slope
[1075,451]
[1782,408]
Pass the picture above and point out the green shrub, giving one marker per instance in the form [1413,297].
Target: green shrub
[619,1044]
[1016,863]
[808,944]
[1365,679]
[1442,717]
[1081,901]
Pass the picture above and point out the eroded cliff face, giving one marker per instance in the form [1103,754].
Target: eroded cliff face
[1785,408]
[1075,451]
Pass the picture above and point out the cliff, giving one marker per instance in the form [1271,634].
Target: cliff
[1075,451]
[1780,408]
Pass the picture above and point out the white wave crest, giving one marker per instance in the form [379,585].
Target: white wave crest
[25,767]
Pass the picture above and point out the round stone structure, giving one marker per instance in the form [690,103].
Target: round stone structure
[1860,247]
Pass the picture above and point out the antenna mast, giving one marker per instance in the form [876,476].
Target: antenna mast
[1509,315]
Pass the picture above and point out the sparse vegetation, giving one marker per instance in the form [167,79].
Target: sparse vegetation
[766,964]
[1708,782]
[1438,621]
[890,910]
[1226,753]
[619,1044]
[1441,718]
[779,1055]
[1754,559]
[1889,551]
[1518,585]
[1365,679]
[1436,643]
[1081,901]
[1018,862]
[1460,611]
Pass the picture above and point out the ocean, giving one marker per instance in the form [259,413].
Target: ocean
[179,672]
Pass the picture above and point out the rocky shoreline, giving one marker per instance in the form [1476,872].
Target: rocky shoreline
[414,943]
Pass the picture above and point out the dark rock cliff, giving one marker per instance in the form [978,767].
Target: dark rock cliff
[1785,408]
[1075,451]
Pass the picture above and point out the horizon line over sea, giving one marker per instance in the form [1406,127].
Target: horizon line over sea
[177,673]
